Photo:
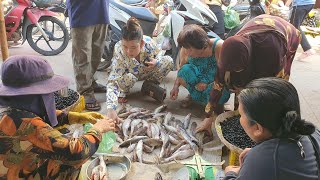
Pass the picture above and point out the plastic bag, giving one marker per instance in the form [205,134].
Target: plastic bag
[107,142]
[231,19]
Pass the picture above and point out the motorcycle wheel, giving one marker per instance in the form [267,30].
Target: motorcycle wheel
[108,51]
[57,33]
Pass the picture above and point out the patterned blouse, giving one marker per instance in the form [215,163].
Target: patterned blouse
[32,149]
[122,64]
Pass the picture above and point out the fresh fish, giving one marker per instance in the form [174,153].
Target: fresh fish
[193,128]
[134,115]
[178,123]
[178,146]
[179,155]
[167,152]
[187,138]
[170,128]
[118,139]
[133,125]
[145,116]
[167,118]
[160,109]
[152,142]
[131,148]
[140,131]
[186,121]
[165,140]
[103,170]
[173,140]
[132,141]
[139,151]
[155,131]
[125,128]
[147,149]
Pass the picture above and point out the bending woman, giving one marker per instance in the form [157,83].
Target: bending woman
[264,47]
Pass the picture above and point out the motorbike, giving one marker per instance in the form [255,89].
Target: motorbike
[31,21]
[246,11]
[184,12]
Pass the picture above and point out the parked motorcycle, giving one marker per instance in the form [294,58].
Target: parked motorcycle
[184,12]
[248,11]
[32,21]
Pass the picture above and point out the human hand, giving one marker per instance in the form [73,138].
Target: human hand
[151,64]
[82,118]
[113,115]
[243,154]
[104,125]
[201,86]
[205,125]
[235,169]
[174,93]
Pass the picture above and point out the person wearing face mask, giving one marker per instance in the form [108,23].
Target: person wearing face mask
[30,145]
[199,66]
[136,57]
[287,146]
[264,47]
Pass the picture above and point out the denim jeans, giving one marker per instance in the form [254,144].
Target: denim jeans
[297,16]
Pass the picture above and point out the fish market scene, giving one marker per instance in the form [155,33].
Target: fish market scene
[159,89]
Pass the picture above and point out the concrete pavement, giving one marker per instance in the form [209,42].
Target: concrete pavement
[305,76]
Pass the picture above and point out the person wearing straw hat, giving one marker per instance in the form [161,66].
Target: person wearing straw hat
[30,146]
[287,146]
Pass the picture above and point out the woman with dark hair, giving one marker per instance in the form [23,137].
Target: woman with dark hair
[198,70]
[136,57]
[264,47]
[287,146]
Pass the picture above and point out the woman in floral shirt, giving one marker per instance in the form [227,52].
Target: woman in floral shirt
[30,145]
[136,57]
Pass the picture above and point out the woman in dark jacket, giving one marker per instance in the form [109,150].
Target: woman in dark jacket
[287,146]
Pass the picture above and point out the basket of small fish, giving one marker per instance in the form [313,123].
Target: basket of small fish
[231,133]
[70,101]
[108,166]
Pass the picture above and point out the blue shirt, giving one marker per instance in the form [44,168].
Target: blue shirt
[303,2]
[84,13]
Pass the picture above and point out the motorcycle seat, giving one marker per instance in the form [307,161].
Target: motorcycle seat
[137,12]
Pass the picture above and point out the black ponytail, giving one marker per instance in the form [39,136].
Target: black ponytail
[132,30]
[274,104]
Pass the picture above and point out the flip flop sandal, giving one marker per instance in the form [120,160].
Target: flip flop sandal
[93,106]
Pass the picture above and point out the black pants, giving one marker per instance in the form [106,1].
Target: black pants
[218,28]
[297,16]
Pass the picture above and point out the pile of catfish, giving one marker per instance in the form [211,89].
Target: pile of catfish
[144,131]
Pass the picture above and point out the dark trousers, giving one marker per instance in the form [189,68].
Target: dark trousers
[218,28]
[297,16]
